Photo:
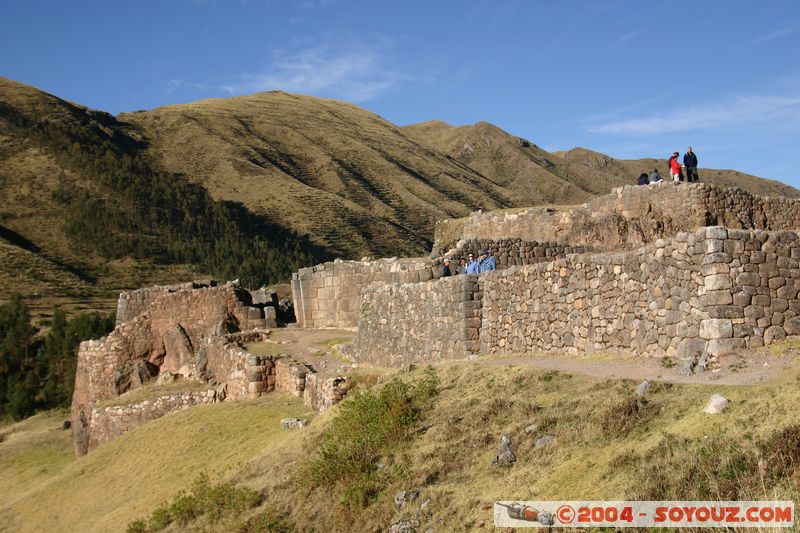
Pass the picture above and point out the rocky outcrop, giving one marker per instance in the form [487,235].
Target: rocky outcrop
[183,332]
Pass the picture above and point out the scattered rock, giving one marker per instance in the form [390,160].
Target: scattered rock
[544,441]
[716,404]
[506,456]
[642,389]
[531,429]
[405,496]
[166,377]
[67,424]
[774,334]
[408,525]
[294,423]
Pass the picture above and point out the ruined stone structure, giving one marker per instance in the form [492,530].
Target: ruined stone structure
[328,295]
[189,332]
[690,270]
[628,217]
[671,269]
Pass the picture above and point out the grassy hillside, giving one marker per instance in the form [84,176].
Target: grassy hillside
[569,177]
[607,445]
[600,163]
[352,181]
[81,192]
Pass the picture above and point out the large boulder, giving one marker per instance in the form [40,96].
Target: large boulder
[178,348]
[134,374]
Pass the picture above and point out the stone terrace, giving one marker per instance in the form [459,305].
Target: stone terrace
[691,270]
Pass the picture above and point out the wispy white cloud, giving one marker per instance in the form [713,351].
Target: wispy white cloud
[353,72]
[777,34]
[739,111]
[626,38]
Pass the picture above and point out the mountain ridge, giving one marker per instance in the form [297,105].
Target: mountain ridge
[191,187]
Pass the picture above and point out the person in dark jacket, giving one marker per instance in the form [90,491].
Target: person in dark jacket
[643,179]
[690,162]
[446,272]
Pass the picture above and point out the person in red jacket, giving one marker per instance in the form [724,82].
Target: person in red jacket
[675,168]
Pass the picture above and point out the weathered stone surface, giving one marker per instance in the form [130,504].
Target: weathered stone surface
[544,441]
[774,334]
[506,456]
[792,326]
[716,328]
[403,497]
[641,389]
[716,405]
[133,374]
[294,423]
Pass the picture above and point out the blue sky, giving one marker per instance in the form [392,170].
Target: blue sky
[628,78]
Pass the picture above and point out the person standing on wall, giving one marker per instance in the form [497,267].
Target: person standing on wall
[472,265]
[675,168]
[487,262]
[462,266]
[446,272]
[690,162]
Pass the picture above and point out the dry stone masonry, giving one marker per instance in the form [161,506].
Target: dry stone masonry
[191,332]
[690,270]
[629,216]
[328,295]
[404,323]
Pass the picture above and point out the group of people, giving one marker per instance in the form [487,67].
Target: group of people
[469,265]
[675,170]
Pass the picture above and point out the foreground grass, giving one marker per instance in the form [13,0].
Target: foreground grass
[333,476]
[135,473]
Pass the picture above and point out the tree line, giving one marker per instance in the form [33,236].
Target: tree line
[38,371]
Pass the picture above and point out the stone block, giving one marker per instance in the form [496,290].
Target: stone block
[724,346]
[717,282]
[716,297]
[716,328]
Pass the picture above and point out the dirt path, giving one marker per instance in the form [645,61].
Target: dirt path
[315,346]
[744,369]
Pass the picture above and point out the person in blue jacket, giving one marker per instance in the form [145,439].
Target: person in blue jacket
[472,265]
[487,262]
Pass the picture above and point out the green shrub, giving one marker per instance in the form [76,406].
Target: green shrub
[214,501]
[270,521]
[137,526]
[369,425]
[159,519]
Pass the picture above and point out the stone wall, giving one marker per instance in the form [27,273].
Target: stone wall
[131,304]
[404,323]
[715,290]
[515,251]
[108,423]
[327,295]
[630,216]
[163,338]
